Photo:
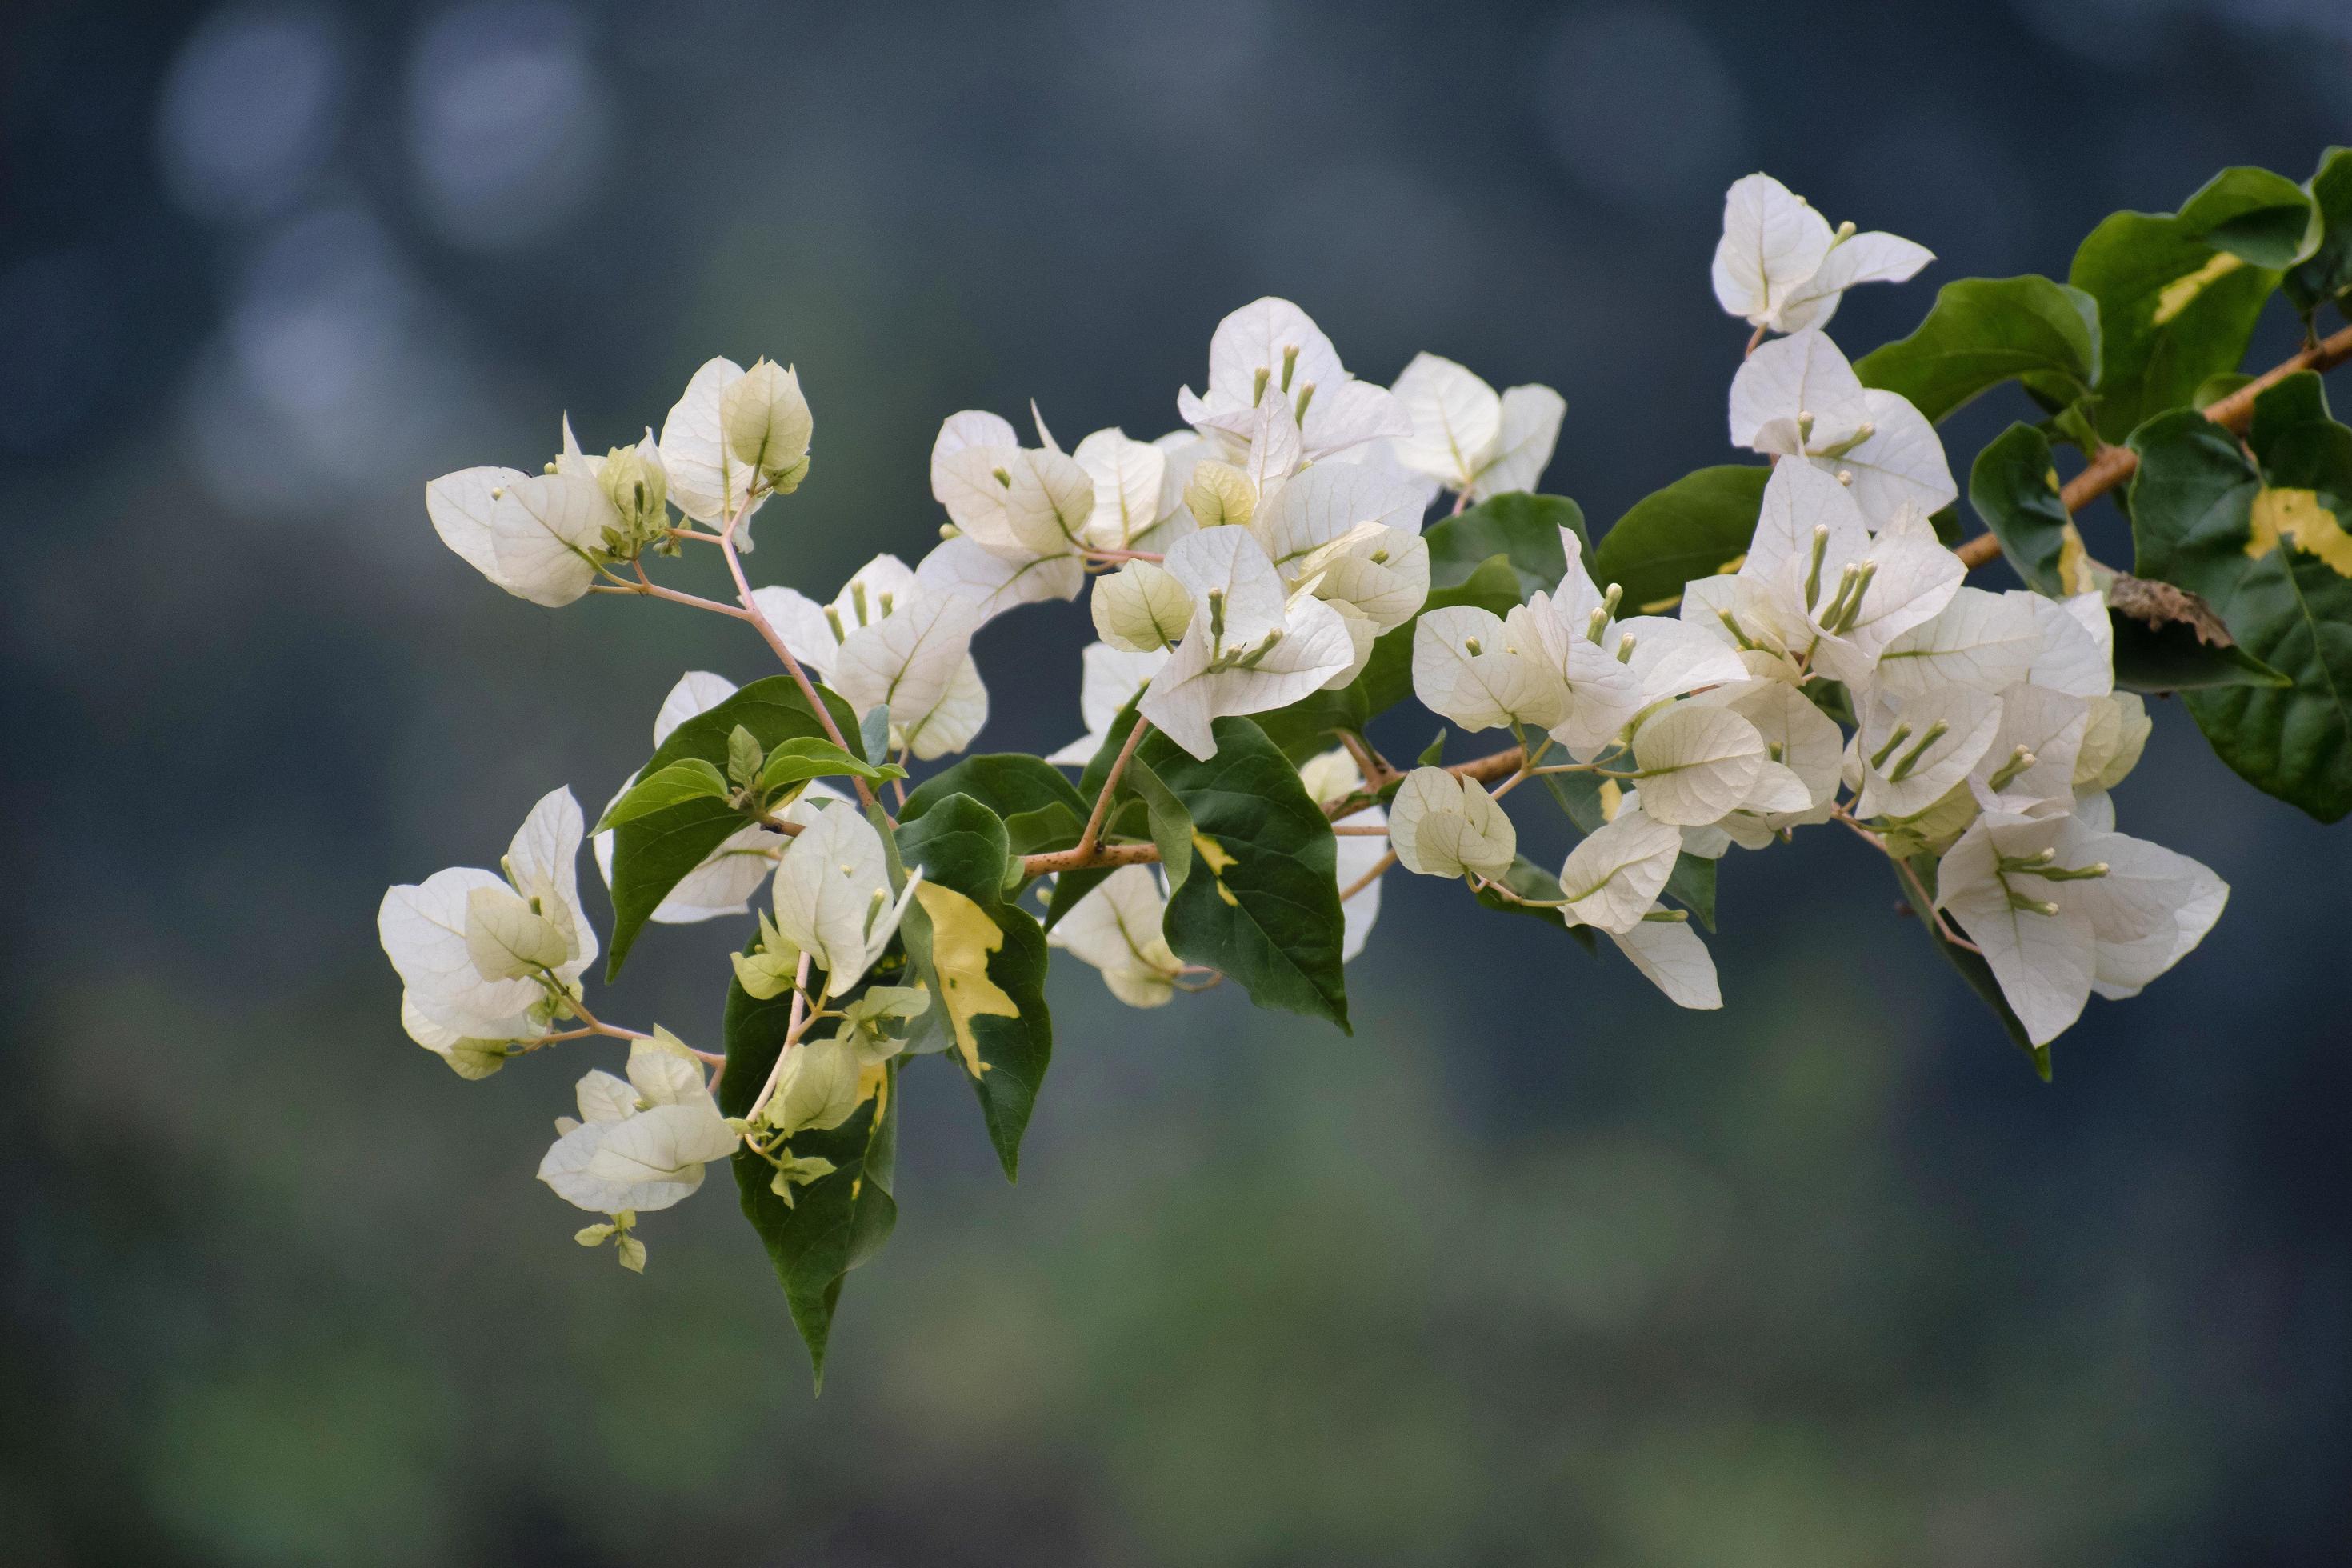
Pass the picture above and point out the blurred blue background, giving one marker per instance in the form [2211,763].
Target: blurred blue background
[1534,1267]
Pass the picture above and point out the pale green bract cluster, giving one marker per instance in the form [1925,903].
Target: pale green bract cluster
[1250,566]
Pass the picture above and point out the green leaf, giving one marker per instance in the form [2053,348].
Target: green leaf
[2267,549]
[874,733]
[743,757]
[2014,489]
[2214,388]
[651,854]
[1971,966]
[1008,782]
[2297,399]
[2173,658]
[1984,330]
[1692,882]
[1041,830]
[2327,274]
[1532,882]
[2178,295]
[1694,527]
[1523,528]
[834,1223]
[1433,752]
[962,845]
[1260,897]
[2261,217]
[1171,825]
[692,779]
[796,761]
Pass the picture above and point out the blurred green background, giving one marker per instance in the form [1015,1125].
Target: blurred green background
[1532,1268]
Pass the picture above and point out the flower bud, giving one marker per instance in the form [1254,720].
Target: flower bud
[638,486]
[816,1087]
[767,425]
[1140,607]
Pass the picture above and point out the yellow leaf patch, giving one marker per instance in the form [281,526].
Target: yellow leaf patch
[2298,517]
[962,937]
[2181,293]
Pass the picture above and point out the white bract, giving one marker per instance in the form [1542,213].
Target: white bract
[488,958]
[1330,778]
[1781,266]
[1109,681]
[1797,397]
[1116,928]
[1249,648]
[1021,516]
[832,895]
[1469,439]
[887,640]
[1442,826]
[638,1145]
[1270,351]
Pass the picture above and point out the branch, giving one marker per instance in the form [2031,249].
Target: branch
[2114,465]
[1093,832]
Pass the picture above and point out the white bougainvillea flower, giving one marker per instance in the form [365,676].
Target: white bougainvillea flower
[832,895]
[1468,437]
[1800,742]
[461,506]
[887,639]
[1249,648]
[1130,480]
[819,1085]
[1330,777]
[1673,958]
[489,957]
[548,532]
[1699,762]
[1109,677]
[1020,515]
[2078,651]
[1140,607]
[1352,538]
[2112,737]
[2062,908]
[1911,754]
[1116,929]
[641,1144]
[1385,458]
[2030,763]
[707,480]
[1614,877]
[1270,348]
[724,884]
[1798,397]
[1982,640]
[1444,826]
[1780,265]
[1610,669]
[1474,669]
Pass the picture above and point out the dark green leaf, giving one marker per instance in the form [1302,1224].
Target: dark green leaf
[2269,553]
[1007,782]
[2327,274]
[692,779]
[1985,330]
[834,1223]
[1046,828]
[1522,527]
[2214,388]
[796,761]
[652,854]
[2177,302]
[1171,824]
[874,733]
[2014,489]
[1261,899]
[2258,216]
[2173,658]
[1693,528]
[961,844]
[2298,399]
[1972,965]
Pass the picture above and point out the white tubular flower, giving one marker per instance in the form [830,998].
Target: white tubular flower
[1798,397]
[1020,515]
[1780,265]
[1911,754]
[639,1145]
[1444,825]
[1248,648]
[1129,478]
[486,958]
[1982,640]
[707,479]
[1698,763]
[1837,594]
[1140,608]
[887,638]
[1116,928]
[832,896]
[1270,348]
[1614,877]
[1330,777]
[2063,908]
[1468,438]
[1109,677]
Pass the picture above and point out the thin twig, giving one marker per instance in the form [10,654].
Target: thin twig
[1093,831]
[793,1028]
[1379,869]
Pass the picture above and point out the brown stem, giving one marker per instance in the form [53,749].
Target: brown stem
[2114,465]
[1093,832]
